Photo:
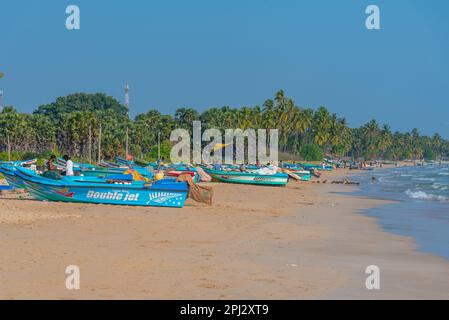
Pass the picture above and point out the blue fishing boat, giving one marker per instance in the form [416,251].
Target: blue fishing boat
[114,190]
[8,170]
[123,162]
[308,166]
[277,179]
[303,174]
[102,171]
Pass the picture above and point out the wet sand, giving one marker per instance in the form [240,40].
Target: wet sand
[305,241]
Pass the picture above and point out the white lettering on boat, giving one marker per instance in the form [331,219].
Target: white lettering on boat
[263,179]
[117,196]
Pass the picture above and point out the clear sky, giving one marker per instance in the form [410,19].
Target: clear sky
[204,53]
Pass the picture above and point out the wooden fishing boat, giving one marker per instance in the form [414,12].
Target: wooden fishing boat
[114,190]
[278,179]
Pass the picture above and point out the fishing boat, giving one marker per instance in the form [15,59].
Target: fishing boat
[177,170]
[114,190]
[308,166]
[305,175]
[104,172]
[143,163]
[101,171]
[123,162]
[8,170]
[5,188]
[138,163]
[108,164]
[245,177]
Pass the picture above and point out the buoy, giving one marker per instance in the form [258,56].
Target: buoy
[159,176]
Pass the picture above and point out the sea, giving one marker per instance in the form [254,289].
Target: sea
[420,207]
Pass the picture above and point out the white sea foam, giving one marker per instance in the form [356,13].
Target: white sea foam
[421,195]
[439,186]
[423,179]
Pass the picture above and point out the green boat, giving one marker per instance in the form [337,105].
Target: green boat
[278,179]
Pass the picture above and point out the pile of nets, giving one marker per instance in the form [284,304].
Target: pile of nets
[198,193]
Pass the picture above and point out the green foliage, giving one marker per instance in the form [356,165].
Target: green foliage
[388,155]
[81,102]
[429,154]
[338,150]
[405,155]
[165,152]
[312,152]
[15,156]
[72,125]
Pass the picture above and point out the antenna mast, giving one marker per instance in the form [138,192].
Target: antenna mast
[127,128]
[1,100]
[1,94]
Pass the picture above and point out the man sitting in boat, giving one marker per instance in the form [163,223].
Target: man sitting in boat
[50,165]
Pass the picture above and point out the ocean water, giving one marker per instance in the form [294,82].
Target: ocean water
[421,207]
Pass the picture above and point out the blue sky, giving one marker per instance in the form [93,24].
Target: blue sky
[204,53]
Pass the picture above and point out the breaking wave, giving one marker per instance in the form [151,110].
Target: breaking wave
[421,195]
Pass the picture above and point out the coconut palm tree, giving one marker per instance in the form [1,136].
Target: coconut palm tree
[322,124]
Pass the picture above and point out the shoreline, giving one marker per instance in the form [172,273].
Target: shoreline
[304,241]
[405,214]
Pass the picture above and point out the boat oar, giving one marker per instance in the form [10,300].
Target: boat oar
[291,174]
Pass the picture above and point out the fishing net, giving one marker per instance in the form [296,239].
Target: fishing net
[196,192]
[136,175]
[53,175]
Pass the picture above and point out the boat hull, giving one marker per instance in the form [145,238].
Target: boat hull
[305,176]
[159,194]
[8,171]
[278,179]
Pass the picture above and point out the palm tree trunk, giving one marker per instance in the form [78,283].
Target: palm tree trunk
[9,147]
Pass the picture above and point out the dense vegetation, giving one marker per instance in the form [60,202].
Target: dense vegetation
[71,125]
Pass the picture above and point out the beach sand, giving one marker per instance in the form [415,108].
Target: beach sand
[304,241]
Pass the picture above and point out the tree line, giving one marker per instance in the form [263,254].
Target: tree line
[72,125]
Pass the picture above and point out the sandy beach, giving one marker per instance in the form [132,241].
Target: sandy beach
[304,241]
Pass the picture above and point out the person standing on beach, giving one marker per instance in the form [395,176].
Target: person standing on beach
[68,166]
